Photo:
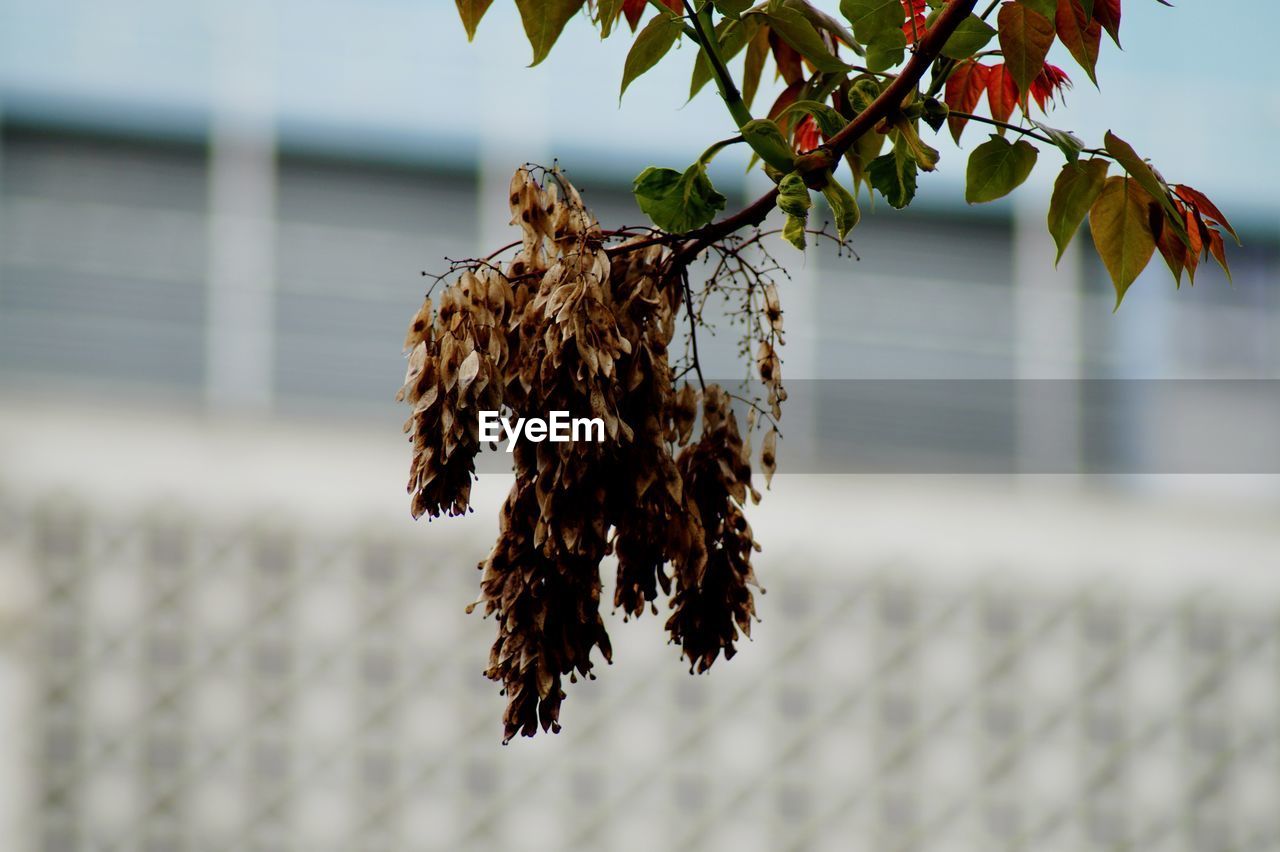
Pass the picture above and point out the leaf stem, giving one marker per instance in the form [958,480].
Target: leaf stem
[704,33]
[1097,152]
[666,10]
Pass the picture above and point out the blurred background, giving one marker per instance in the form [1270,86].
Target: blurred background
[219,629]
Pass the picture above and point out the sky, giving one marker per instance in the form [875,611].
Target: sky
[1193,89]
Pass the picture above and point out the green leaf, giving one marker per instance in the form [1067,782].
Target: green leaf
[732,8]
[997,167]
[1068,143]
[844,207]
[872,17]
[1025,39]
[828,120]
[678,202]
[894,175]
[544,20]
[650,46]
[972,35]
[796,30]
[867,147]
[1120,221]
[471,11]
[766,139]
[886,50]
[906,133]
[1048,8]
[732,36]
[1078,185]
[822,21]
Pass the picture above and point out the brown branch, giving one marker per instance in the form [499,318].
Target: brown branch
[826,156]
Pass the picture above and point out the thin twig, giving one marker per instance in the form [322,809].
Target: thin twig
[693,326]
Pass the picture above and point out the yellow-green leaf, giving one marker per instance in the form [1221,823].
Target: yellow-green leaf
[844,207]
[544,20]
[1138,169]
[1078,185]
[650,46]
[471,11]
[1120,221]
[796,30]
[607,12]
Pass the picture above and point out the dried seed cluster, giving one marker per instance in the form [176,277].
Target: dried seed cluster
[564,326]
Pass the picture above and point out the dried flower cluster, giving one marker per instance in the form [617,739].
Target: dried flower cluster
[567,325]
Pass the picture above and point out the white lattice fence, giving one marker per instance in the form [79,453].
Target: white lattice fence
[202,686]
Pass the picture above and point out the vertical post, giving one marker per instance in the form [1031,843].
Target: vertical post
[240,329]
[1047,344]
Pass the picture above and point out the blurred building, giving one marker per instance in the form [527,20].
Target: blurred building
[220,630]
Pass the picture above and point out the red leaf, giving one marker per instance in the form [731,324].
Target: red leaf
[1196,234]
[1201,202]
[789,96]
[914,28]
[1219,251]
[1170,246]
[1050,82]
[1080,35]
[916,11]
[1107,13]
[634,9]
[788,59]
[807,136]
[964,89]
[1002,92]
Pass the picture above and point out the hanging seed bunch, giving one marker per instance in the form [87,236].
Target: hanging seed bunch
[457,360]
[570,325]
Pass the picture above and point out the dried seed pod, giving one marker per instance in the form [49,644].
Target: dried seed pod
[712,599]
[566,327]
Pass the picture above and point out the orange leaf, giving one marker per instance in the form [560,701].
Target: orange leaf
[1170,246]
[789,96]
[1219,251]
[964,89]
[1002,93]
[787,58]
[1196,232]
[1201,202]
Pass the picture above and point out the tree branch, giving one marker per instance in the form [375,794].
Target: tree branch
[828,155]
